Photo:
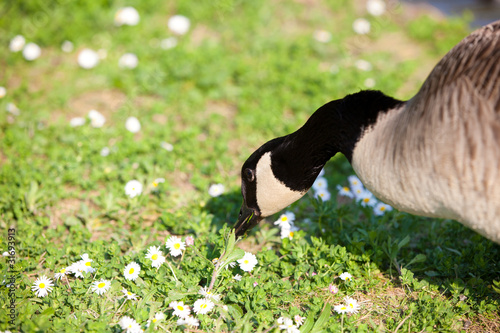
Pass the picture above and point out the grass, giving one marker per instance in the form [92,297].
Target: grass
[245,73]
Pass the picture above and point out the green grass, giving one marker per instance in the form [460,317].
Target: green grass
[247,71]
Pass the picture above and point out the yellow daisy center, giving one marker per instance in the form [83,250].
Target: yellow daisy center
[154,256]
[129,293]
[133,188]
[62,270]
[382,208]
[321,194]
[291,233]
[284,218]
[87,263]
[343,308]
[366,199]
[177,246]
[209,293]
[345,188]
[246,261]
[155,184]
[180,307]
[203,306]
[101,285]
[350,304]
[42,285]
[131,271]
[154,320]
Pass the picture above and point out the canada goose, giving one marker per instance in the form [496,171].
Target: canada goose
[436,155]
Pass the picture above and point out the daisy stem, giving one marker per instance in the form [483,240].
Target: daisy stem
[172,270]
[342,324]
[125,301]
[182,257]
[66,278]
[216,271]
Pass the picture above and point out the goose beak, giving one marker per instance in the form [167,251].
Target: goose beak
[248,219]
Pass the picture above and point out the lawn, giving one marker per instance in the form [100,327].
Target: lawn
[207,94]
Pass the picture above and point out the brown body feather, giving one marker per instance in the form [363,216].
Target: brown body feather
[439,154]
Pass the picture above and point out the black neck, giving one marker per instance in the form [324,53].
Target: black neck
[335,127]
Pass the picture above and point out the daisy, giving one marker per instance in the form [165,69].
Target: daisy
[345,276]
[42,286]
[168,43]
[320,184]
[128,294]
[31,51]
[156,256]
[366,198]
[175,245]
[100,287]
[62,273]
[381,208]
[77,121]
[285,220]
[203,306]
[363,65]
[208,294]
[322,36]
[12,108]
[189,321]
[105,151]
[158,181]
[215,190]
[133,125]
[132,271]
[375,7]
[345,191]
[17,43]
[97,120]
[179,24]
[341,308]
[333,289]
[127,16]
[67,46]
[299,320]
[180,310]
[129,325]
[352,305]
[133,188]
[354,182]
[361,26]
[237,277]
[87,262]
[78,268]
[189,240]
[248,262]
[129,61]
[88,58]
[323,194]
[158,316]
[288,325]
[3,92]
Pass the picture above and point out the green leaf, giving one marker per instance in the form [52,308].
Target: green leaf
[418,258]
[404,242]
[323,319]
[233,256]
[308,324]
[48,312]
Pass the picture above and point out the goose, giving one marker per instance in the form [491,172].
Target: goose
[436,154]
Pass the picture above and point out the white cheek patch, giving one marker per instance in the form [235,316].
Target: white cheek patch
[272,194]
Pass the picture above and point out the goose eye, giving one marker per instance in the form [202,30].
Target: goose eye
[249,174]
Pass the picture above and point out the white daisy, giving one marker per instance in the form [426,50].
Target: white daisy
[363,65]
[320,184]
[237,277]
[67,46]
[17,43]
[168,43]
[366,199]
[341,308]
[158,316]
[88,58]
[133,125]
[189,321]
[129,61]
[288,325]
[77,121]
[215,190]
[97,120]
[179,24]
[3,92]
[361,26]
[101,286]
[333,289]
[345,276]
[345,191]
[208,294]
[42,286]
[322,36]
[248,262]
[31,51]
[381,208]
[156,256]
[323,194]
[129,325]
[285,220]
[128,294]
[375,7]
[105,151]
[78,268]
[354,182]
[62,273]
[132,271]
[157,182]
[175,245]
[127,16]
[289,231]
[190,241]
[12,108]
[87,262]
[203,306]
[180,310]
[133,188]
[299,320]
[352,305]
